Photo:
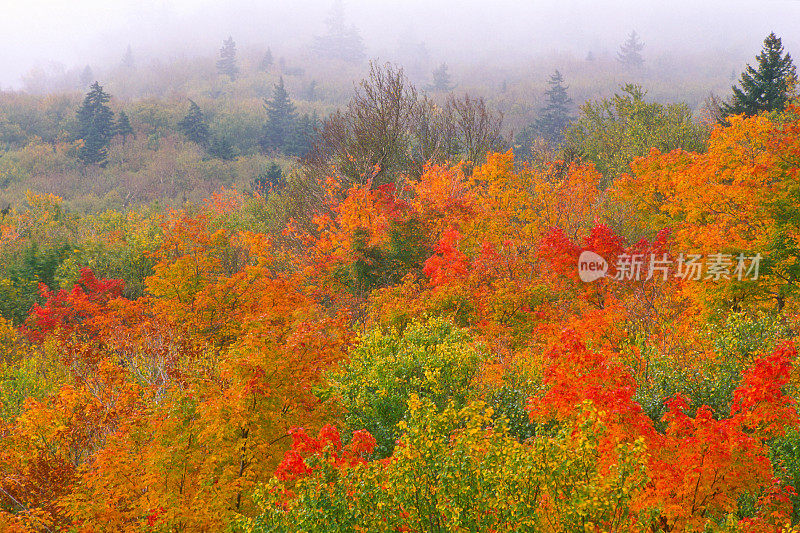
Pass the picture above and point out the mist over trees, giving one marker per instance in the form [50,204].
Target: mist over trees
[226,64]
[341,41]
[389,131]
[333,275]
[629,52]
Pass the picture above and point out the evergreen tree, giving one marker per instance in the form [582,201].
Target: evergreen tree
[194,125]
[768,88]
[95,126]
[271,179]
[123,126]
[281,119]
[629,54]
[222,148]
[553,119]
[441,80]
[340,41]
[87,77]
[127,59]
[227,59]
[266,61]
[555,115]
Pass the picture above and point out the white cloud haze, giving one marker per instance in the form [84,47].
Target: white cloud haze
[79,32]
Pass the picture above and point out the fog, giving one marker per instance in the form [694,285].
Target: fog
[55,34]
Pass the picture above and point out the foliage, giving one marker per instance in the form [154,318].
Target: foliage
[431,360]
[459,470]
[183,365]
[612,132]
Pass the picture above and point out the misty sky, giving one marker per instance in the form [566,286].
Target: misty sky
[79,32]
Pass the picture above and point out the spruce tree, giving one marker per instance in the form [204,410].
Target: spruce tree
[266,61]
[123,126]
[227,59]
[194,125]
[767,88]
[555,115]
[629,54]
[95,126]
[441,79]
[281,119]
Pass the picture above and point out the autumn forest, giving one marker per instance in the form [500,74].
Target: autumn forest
[269,291]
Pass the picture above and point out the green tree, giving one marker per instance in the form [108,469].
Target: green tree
[554,116]
[194,125]
[612,132]
[629,54]
[123,126]
[281,119]
[227,59]
[441,80]
[433,359]
[767,88]
[95,126]
[556,113]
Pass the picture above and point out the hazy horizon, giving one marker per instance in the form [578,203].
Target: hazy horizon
[42,33]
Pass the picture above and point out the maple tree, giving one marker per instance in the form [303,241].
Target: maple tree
[417,354]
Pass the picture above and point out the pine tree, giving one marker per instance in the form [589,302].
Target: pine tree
[281,119]
[95,126]
[768,88]
[629,54]
[266,61]
[194,125]
[123,126]
[340,41]
[227,59]
[127,59]
[555,115]
[441,80]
